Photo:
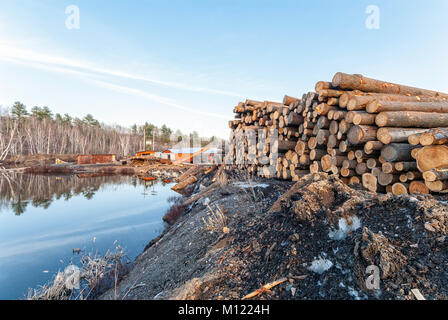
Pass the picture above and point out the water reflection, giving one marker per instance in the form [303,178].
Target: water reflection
[19,191]
[43,218]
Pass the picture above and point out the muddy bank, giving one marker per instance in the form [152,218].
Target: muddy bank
[319,239]
[25,161]
[67,164]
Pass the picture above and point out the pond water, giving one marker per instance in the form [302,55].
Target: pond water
[43,218]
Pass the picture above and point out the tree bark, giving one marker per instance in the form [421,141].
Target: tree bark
[377,107]
[434,136]
[412,119]
[358,82]
[397,152]
[394,135]
[361,134]
[436,174]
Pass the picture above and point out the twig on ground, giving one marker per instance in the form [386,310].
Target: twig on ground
[265,288]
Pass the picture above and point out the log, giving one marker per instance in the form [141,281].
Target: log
[400,188]
[317,154]
[370,182]
[376,172]
[185,183]
[414,175]
[397,152]
[315,167]
[334,127]
[361,168]
[385,179]
[437,186]
[414,139]
[312,143]
[361,134]
[287,100]
[434,136]
[361,101]
[300,147]
[285,145]
[405,166]
[322,136]
[393,135]
[432,157]
[348,172]
[323,109]
[403,178]
[414,152]
[418,187]
[294,119]
[338,160]
[359,82]
[349,164]
[333,141]
[412,119]
[330,93]
[436,174]
[388,167]
[322,85]
[354,180]
[345,98]
[373,163]
[344,146]
[371,146]
[323,123]
[364,119]
[326,163]
[377,107]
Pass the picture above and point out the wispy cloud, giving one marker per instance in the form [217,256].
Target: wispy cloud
[115,87]
[153,97]
[8,52]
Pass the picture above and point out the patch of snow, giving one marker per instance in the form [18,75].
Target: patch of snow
[245,185]
[345,228]
[354,293]
[320,265]
[205,201]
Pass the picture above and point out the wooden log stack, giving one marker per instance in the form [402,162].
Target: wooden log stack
[389,137]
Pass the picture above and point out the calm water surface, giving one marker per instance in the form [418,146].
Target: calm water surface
[43,218]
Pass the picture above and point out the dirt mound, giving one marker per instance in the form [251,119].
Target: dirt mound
[325,238]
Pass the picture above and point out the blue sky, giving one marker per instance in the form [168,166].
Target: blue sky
[188,63]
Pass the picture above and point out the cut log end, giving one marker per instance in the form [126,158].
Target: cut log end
[399,189]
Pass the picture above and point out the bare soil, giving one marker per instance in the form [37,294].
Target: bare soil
[268,236]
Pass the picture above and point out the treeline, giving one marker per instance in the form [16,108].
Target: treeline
[39,131]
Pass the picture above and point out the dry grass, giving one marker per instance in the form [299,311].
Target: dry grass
[216,221]
[176,210]
[98,273]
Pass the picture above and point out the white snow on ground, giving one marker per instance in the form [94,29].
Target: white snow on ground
[345,228]
[205,201]
[245,185]
[320,265]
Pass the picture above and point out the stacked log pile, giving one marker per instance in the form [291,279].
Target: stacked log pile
[389,137]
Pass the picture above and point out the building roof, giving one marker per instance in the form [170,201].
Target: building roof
[192,150]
